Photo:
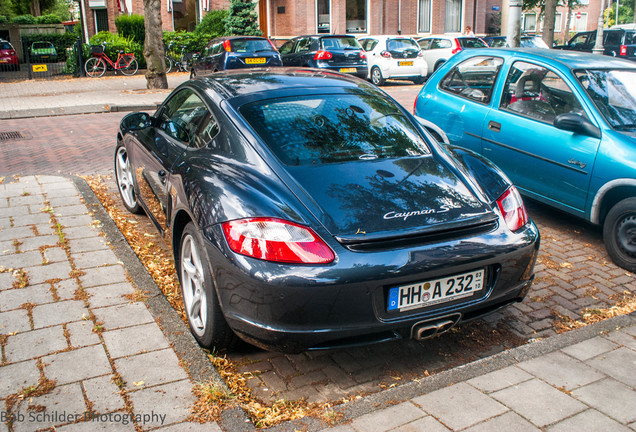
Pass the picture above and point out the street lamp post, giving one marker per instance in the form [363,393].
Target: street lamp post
[514,22]
[598,46]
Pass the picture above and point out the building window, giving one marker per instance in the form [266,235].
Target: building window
[424,16]
[356,16]
[453,16]
[530,22]
[557,23]
[578,24]
[101,20]
[323,16]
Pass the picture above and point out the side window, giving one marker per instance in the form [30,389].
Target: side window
[303,45]
[539,93]
[613,38]
[287,47]
[473,78]
[425,44]
[217,49]
[578,40]
[436,44]
[445,43]
[184,116]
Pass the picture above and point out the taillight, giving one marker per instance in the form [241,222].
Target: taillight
[363,55]
[272,44]
[512,209]
[227,46]
[623,50]
[457,48]
[322,55]
[272,239]
[385,54]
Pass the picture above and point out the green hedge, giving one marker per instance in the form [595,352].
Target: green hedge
[131,26]
[23,19]
[48,19]
[61,41]
[116,42]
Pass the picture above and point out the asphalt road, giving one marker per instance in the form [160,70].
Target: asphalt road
[573,272]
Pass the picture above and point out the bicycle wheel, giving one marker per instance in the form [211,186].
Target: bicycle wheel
[95,67]
[169,64]
[131,68]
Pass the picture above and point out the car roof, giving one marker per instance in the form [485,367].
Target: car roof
[569,59]
[385,37]
[320,36]
[242,82]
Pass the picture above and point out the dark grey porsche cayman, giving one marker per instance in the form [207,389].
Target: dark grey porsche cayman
[309,210]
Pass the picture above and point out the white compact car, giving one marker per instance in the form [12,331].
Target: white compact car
[394,57]
[437,49]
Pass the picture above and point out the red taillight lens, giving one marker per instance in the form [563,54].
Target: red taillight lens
[457,48]
[276,240]
[623,50]
[227,46]
[512,209]
[322,55]
[363,55]
[272,44]
[385,54]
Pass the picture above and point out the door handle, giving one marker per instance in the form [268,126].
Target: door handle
[494,126]
[162,176]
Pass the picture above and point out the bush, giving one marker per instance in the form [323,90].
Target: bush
[131,26]
[116,42]
[3,19]
[194,42]
[213,23]
[72,64]
[60,41]
[23,19]
[48,19]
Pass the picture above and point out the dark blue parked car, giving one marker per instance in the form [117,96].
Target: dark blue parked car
[337,53]
[561,125]
[309,210]
[236,52]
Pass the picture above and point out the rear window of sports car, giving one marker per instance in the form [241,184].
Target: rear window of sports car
[321,129]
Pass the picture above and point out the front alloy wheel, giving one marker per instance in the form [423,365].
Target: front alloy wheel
[376,76]
[125,180]
[619,234]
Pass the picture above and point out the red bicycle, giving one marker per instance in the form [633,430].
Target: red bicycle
[96,66]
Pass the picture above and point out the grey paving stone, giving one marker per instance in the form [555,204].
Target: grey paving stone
[61,190]
[88,362]
[134,340]
[59,313]
[149,369]
[590,348]
[17,376]
[85,260]
[14,321]
[124,315]
[81,333]
[428,424]
[6,223]
[32,219]
[62,405]
[561,370]
[14,298]
[81,220]
[500,379]
[64,201]
[340,428]
[21,260]
[34,197]
[34,243]
[43,273]
[103,276]
[6,212]
[164,405]
[55,254]
[79,232]
[66,288]
[104,394]
[539,402]
[622,338]
[109,295]
[475,406]
[509,421]
[613,364]
[16,233]
[88,244]
[6,281]
[97,425]
[72,210]
[630,330]
[193,427]
[51,181]
[610,397]
[35,343]
[588,421]
[388,418]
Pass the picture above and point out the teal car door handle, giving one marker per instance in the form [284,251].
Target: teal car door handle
[494,126]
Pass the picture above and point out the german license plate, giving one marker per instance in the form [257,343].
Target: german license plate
[258,60]
[4,61]
[436,291]
[405,63]
[348,70]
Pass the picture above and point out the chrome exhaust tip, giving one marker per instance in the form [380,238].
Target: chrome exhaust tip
[429,329]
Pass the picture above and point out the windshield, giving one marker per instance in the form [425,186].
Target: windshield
[402,44]
[533,42]
[251,45]
[614,94]
[321,129]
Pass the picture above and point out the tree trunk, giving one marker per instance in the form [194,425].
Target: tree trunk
[35,8]
[568,21]
[549,14]
[153,46]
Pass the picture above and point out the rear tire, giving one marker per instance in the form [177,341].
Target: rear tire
[376,76]
[619,234]
[131,68]
[95,67]
[206,320]
[419,81]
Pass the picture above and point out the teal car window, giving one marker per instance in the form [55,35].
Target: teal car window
[614,94]
[539,93]
[321,129]
[473,78]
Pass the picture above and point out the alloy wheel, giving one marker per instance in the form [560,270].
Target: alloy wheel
[192,280]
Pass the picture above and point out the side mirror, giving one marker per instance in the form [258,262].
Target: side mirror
[135,121]
[576,123]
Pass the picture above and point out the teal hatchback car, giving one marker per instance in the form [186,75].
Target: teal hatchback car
[561,125]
